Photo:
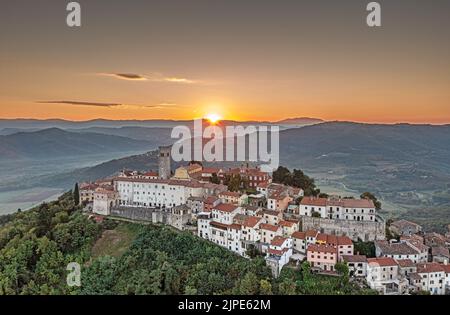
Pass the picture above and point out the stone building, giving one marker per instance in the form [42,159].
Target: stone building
[363,230]
[164,162]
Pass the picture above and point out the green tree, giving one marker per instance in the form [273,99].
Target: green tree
[235,183]
[249,284]
[370,196]
[281,175]
[214,179]
[252,251]
[287,287]
[76,194]
[364,248]
[265,287]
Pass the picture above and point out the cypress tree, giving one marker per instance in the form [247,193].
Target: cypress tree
[76,194]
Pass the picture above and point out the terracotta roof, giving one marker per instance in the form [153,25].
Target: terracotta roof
[269,227]
[318,248]
[396,248]
[440,251]
[314,201]
[405,263]
[358,203]
[108,192]
[354,258]
[235,226]
[278,195]
[299,235]
[286,223]
[333,239]
[277,252]
[429,267]
[278,241]
[225,207]
[173,182]
[89,186]
[382,261]
[219,225]
[251,221]
[263,185]
[211,199]
[346,203]
[311,233]
[154,174]
[415,276]
[412,237]
[446,268]
[271,212]
[417,243]
[404,223]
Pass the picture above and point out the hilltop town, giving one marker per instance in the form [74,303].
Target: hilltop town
[245,211]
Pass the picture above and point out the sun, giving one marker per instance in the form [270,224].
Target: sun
[213,118]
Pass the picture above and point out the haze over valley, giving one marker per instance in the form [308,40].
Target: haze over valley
[405,165]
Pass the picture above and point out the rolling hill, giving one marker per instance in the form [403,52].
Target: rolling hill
[54,142]
[407,166]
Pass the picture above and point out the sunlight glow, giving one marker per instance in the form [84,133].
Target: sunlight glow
[213,118]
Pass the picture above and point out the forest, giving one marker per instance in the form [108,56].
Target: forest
[37,245]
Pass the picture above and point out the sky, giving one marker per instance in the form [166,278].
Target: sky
[239,59]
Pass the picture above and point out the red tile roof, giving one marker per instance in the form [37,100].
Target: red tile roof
[429,267]
[446,268]
[382,261]
[311,233]
[251,221]
[318,248]
[405,263]
[269,227]
[278,241]
[225,207]
[219,225]
[286,223]
[299,235]
[271,212]
[277,252]
[358,203]
[346,203]
[344,240]
[211,199]
[354,258]
[314,201]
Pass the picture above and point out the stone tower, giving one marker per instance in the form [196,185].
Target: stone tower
[164,162]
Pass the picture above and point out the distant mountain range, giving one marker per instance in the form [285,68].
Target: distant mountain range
[405,165]
[54,142]
[8,126]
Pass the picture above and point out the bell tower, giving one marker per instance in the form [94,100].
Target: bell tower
[164,162]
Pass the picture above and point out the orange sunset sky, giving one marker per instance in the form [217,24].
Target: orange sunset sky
[243,60]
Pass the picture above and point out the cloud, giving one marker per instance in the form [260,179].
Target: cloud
[126,76]
[109,105]
[167,104]
[81,103]
[156,77]
[178,80]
